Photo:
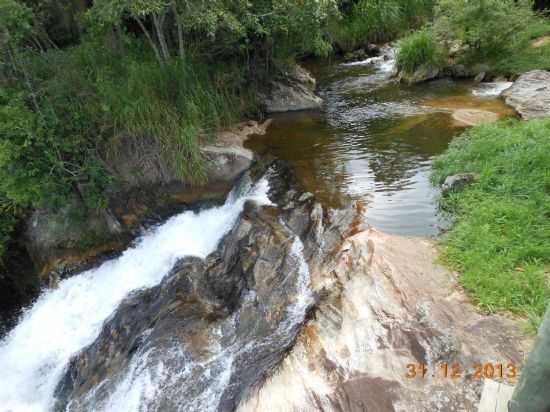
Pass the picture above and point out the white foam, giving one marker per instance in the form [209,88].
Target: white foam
[33,357]
[176,373]
[491,89]
[384,63]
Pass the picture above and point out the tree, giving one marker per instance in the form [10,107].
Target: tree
[112,13]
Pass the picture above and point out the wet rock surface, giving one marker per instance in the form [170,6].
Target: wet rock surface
[66,240]
[421,75]
[385,305]
[214,329]
[473,117]
[530,95]
[293,91]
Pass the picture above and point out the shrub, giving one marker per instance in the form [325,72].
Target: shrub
[420,49]
[487,27]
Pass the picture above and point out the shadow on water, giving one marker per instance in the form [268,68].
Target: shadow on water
[374,142]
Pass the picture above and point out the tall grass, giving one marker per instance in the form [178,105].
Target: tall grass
[500,241]
[177,104]
[379,21]
[420,49]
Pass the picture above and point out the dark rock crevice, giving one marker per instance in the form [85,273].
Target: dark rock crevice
[221,324]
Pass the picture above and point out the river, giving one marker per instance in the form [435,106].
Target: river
[375,139]
[374,143]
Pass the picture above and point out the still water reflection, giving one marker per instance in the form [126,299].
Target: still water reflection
[374,142]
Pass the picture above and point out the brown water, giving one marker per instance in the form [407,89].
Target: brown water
[374,142]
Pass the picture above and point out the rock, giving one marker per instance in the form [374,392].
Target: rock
[461,71]
[65,240]
[472,117]
[227,157]
[421,75]
[214,328]
[530,95]
[301,75]
[292,92]
[305,197]
[457,181]
[480,77]
[541,42]
[373,49]
[359,54]
[457,48]
[385,305]
[362,53]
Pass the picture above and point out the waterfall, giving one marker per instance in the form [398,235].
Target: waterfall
[35,354]
[198,385]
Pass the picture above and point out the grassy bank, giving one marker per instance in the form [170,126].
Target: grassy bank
[505,35]
[500,241]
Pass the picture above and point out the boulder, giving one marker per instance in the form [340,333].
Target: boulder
[423,74]
[541,42]
[300,308]
[292,91]
[65,240]
[458,181]
[480,77]
[461,71]
[60,241]
[227,158]
[386,309]
[214,328]
[530,95]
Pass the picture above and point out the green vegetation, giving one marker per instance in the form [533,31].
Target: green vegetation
[525,55]
[499,33]
[487,28]
[419,50]
[76,82]
[378,21]
[500,242]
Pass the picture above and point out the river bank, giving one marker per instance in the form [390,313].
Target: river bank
[232,301]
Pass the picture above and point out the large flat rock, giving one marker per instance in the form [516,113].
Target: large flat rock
[294,90]
[530,95]
[386,305]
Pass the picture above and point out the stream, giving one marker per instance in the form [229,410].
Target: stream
[375,140]
[373,143]
[35,354]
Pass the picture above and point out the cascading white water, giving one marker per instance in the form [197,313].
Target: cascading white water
[491,89]
[385,63]
[174,371]
[34,355]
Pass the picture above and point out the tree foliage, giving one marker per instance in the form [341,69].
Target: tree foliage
[379,20]
[486,27]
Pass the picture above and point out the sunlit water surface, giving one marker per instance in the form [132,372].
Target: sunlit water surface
[375,140]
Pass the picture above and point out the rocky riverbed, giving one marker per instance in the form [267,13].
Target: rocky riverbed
[284,298]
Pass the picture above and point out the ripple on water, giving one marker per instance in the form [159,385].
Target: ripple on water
[375,141]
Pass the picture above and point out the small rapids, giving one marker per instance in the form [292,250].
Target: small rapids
[491,89]
[35,354]
[199,385]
